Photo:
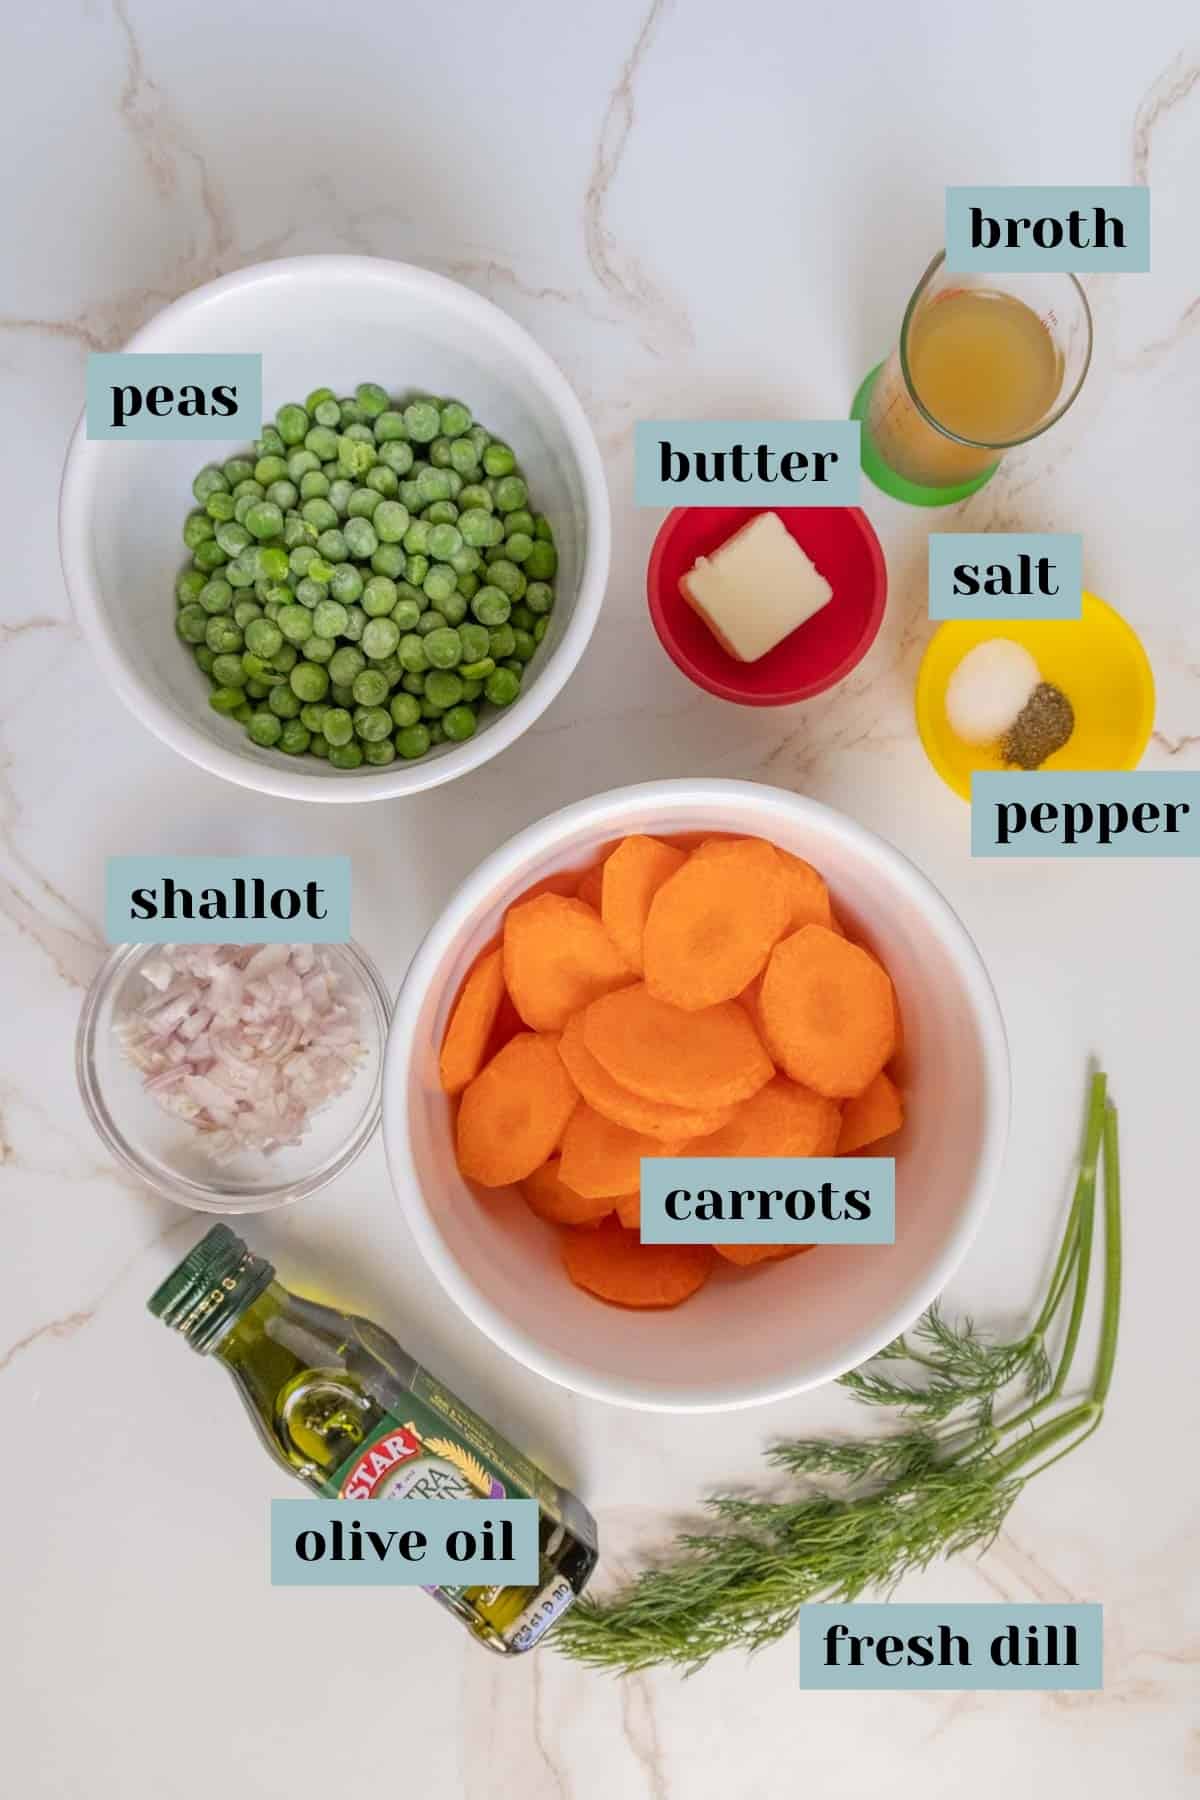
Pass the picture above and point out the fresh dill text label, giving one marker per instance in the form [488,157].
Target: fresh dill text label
[768,1200]
[1005,575]
[355,1543]
[228,899]
[173,395]
[976,1647]
[746,462]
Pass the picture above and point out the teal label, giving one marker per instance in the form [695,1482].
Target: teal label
[164,396]
[227,899]
[768,1200]
[981,1647]
[746,462]
[1005,575]
[1055,813]
[1067,229]
[428,1542]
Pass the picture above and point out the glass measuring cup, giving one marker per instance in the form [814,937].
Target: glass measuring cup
[916,455]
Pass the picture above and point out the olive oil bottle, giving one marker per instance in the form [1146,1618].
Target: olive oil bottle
[349,1413]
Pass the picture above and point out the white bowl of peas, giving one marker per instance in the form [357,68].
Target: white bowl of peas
[385,588]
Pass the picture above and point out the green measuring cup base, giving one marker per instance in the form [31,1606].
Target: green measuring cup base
[886,479]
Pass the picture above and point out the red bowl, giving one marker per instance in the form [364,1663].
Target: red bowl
[815,656]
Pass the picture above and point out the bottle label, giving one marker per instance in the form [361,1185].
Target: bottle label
[413,1459]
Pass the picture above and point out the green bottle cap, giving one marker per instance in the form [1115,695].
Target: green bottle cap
[206,1292]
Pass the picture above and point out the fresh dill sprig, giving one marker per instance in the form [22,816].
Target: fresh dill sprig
[939,1484]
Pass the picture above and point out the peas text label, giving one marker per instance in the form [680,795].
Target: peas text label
[740,462]
[1005,575]
[1064,229]
[161,396]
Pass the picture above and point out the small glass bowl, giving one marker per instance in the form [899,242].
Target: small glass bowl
[168,1155]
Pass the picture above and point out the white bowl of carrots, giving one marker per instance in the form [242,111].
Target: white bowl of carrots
[631,976]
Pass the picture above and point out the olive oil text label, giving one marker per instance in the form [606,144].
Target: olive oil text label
[423,1542]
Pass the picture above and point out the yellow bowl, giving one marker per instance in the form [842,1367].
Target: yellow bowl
[1098,662]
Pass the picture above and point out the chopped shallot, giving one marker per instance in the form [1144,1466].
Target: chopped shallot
[244,1042]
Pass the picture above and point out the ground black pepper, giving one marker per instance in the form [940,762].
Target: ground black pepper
[1042,726]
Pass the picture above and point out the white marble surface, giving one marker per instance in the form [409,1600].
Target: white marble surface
[698,209]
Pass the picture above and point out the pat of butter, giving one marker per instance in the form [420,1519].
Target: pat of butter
[756,589]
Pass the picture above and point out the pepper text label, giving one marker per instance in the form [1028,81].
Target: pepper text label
[1055,813]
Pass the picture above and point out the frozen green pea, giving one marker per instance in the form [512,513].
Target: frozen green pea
[542,562]
[294,739]
[416,568]
[502,687]
[491,606]
[413,684]
[310,593]
[521,520]
[443,688]
[370,688]
[297,531]
[356,624]
[345,584]
[455,419]
[328,413]
[429,711]
[416,537]
[283,702]
[257,690]
[263,638]
[405,613]
[389,560]
[363,502]
[501,641]
[539,597]
[432,484]
[312,712]
[285,658]
[318,747]
[443,647]
[269,443]
[216,596]
[329,617]
[210,480]
[354,457]
[268,469]
[379,754]
[540,628]
[439,453]
[345,664]
[292,423]
[398,457]
[191,622]
[209,556]
[315,399]
[390,426]
[411,653]
[242,571]
[498,459]
[459,723]
[232,537]
[341,693]
[220,506]
[359,432]
[521,617]
[518,547]
[439,583]
[273,562]
[405,709]
[468,586]
[323,441]
[350,411]
[381,637]
[248,490]
[340,494]
[196,527]
[361,539]
[238,468]
[445,541]
[300,463]
[391,522]
[472,685]
[371,724]
[372,398]
[475,641]
[511,492]
[474,497]
[227,669]
[507,577]
[337,727]
[412,741]
[301,559]
[296,623]
[333,548]
[463,459]
[264,728]
[188,586]
[523,645]
[225,699]
[379,596]
[346,756]
[382,481]
[422,421]
[205,658]
[318,513]
[478,671]
[452,606]
[542,528]
[475,527]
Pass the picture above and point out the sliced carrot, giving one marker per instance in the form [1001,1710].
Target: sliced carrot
[666,1124]
[471,1023]
[591,886]
[746,1255]
[557,957]
[512,1116]
[829,1138]
[616,1266]
[601,1158]
[633,875]
[629,1211]
[508,1022]
[782,1119]
[808,897]
[551,1199]
[708,1058]
[827,1012]
[713,924]
[563,881]
[871,1115]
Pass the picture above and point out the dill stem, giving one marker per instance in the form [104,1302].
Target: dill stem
[1106,1355]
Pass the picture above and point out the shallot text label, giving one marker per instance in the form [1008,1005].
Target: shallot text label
[228,899]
